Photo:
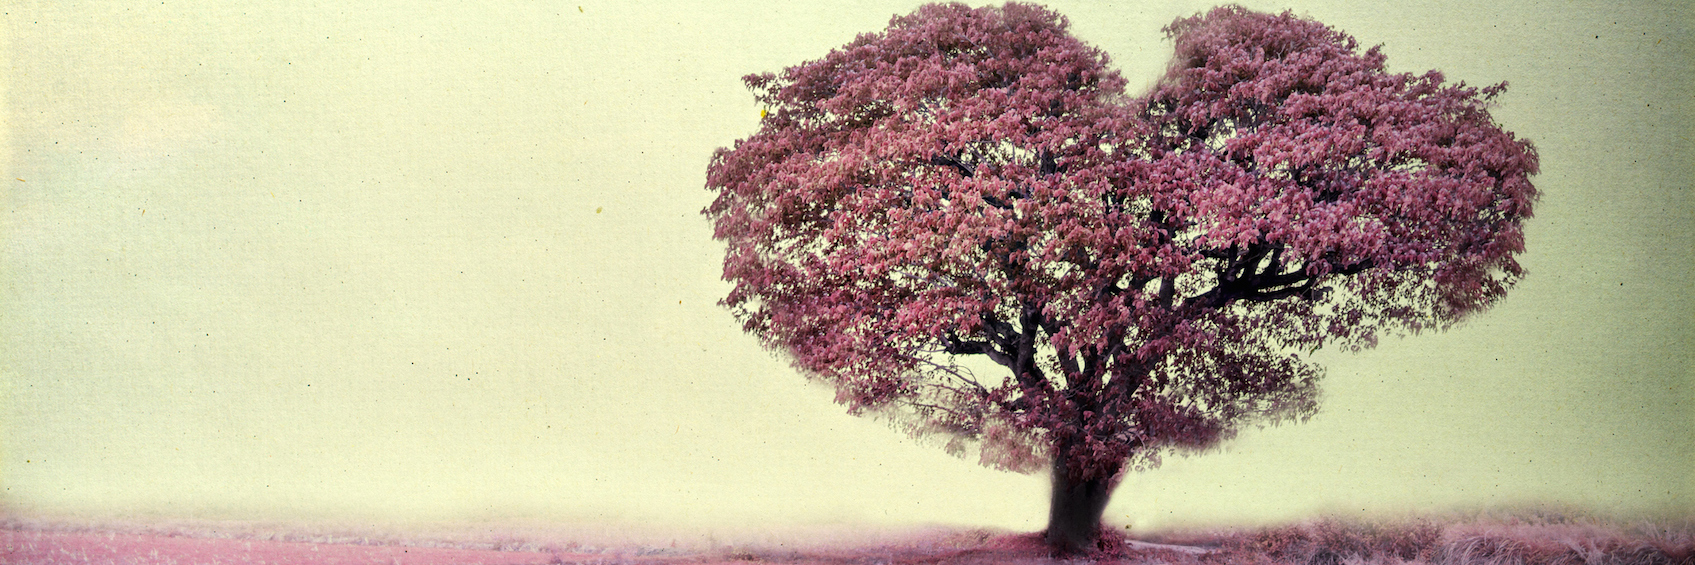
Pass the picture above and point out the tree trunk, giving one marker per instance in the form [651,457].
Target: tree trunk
[1074,515]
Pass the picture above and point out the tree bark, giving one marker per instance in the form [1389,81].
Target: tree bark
[1074,515]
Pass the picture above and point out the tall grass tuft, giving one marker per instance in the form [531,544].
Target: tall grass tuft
[1334,542]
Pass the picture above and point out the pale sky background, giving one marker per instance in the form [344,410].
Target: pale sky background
[419,261]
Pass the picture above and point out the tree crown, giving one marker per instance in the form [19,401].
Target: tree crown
[974,183]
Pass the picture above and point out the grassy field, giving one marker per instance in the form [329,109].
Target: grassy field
[1479,539]
[1515,538]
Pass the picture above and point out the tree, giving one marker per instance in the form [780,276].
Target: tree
[1148,272]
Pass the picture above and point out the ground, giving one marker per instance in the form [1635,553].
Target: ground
[1477,540]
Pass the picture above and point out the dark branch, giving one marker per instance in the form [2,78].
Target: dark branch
[1029,321]
[1246,274]
[1167,292]
[1242,265]
[1211,253]
[1001,332]
[957,346]
[1356,268]
[1278,280]
[964,168]
[1305,289]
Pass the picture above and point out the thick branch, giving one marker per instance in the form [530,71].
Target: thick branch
[957,346]
[1096,362]
[1260,283]
[1266,288]
[1029,321]
[1001,332]
[1167,292]
[1068,364]
[1241,264]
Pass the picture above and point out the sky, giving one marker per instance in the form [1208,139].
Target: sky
[413,261]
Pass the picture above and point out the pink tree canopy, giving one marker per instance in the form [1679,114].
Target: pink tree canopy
[1148,271]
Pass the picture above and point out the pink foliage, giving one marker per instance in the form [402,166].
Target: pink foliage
[1148,271]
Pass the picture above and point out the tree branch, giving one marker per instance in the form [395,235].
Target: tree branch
[964,168]
[1167,292]
[955,373]
[957,346]
[1261,288]
[937,407]
[1067,363]
[1029,322]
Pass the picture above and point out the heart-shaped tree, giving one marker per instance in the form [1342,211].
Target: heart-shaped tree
[1148,271]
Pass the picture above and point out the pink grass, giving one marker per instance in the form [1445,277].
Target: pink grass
[1536,539]
[42,547]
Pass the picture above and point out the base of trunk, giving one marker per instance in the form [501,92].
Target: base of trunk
[1074,516]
